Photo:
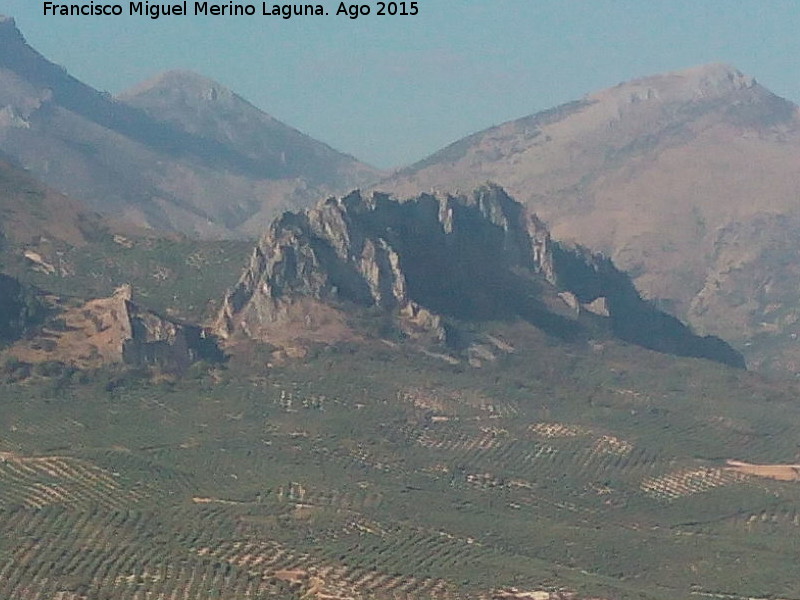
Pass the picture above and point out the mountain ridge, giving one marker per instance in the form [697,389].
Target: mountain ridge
[150,170]
[653,173]
[430,262]
[221,115]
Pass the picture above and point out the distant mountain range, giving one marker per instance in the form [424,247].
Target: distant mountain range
[178,153]
[688,180]
[398,395]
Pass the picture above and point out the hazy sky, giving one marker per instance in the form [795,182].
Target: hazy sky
[391,90]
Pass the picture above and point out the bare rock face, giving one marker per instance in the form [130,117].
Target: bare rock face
[115,330]
[375,251]
[433,261]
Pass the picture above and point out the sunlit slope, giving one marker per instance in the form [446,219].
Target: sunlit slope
[688,180]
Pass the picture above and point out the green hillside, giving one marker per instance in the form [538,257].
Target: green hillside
[372,471]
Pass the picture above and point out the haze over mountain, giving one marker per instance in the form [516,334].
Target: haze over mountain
[444,353]
[32,215]
[688,180]
[186,154]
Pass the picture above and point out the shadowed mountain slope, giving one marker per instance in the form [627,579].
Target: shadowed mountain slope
[20,309]
[31,214]
[433,262]
[151,166]
[688,180]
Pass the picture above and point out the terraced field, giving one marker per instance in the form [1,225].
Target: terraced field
[37,482]
[350,476]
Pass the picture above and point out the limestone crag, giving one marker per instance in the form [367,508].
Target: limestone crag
[362,249]
[433,261]
[115,330]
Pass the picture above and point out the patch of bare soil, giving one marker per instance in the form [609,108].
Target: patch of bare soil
[777,472]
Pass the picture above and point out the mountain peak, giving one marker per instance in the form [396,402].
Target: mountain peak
[702,82]
[9,33]
[714,71]
[718,73]
[8,24]
[187,83]
[212,112]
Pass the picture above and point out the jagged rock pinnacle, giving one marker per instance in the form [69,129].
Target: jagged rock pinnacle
[474,257]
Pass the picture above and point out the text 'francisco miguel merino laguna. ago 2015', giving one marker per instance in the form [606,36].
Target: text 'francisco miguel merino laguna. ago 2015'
[230,8]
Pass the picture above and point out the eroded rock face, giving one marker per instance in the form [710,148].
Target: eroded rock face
[435,259]
[409,258]
[115,330]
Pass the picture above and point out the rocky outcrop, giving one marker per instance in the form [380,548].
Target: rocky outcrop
[115,330]
[156,341]
[599,287]
[433,261]
[414,259]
